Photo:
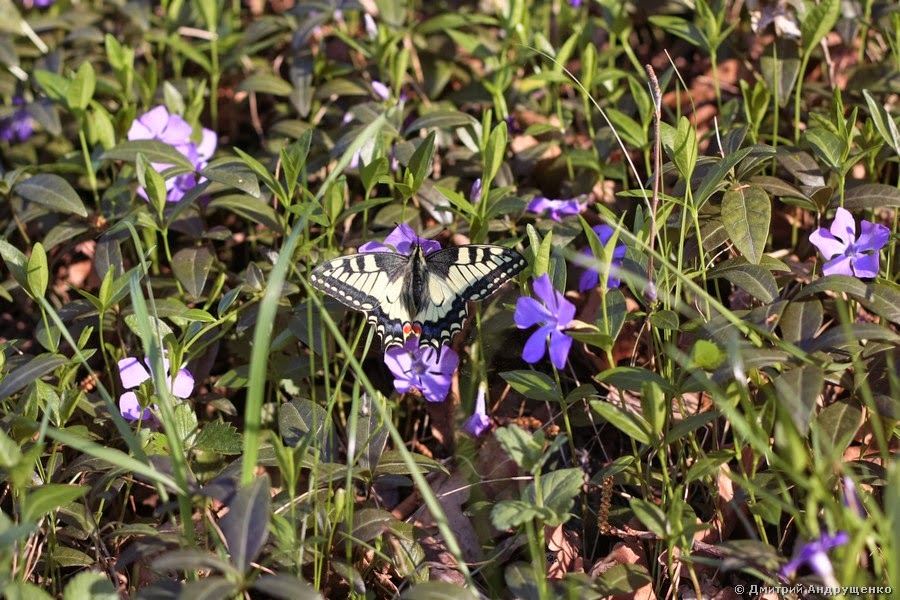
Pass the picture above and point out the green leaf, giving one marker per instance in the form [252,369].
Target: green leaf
[246,526]
[301,417]
[420,161]
[714,179]
[437,590]
[756,280]
[871,196]
[34,369]
[837,424]
[154,150]
[370,523]
[252,209]
[797,391]
[391,463]
[287,587]
[494,152]
[558,489]
[633,379]
[881,298]
[801,320]
[746,214]
[16,590]
[371,436]
[706,355]
[266,83]
[37,271]
[533,385]
[629,423]
[441,119]
[652,517]
[42,500]
[681,28]
[82,87]
[883,122]
[53,192]
[779,65]
[827,146]
[820,19]
[191,267]
[507,514]
[521,447]
[218,437]
[234,174]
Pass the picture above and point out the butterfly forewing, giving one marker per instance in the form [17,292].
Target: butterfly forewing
[457,276]
[380,284]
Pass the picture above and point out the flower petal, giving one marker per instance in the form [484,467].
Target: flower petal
[842,265]
[132,372]
[131,408]
[589,280]
[873,236]
[530,312]
[536,345]
[865,265]
[844,227]
[560,344]
[543,289]
[207,146]
[822,239]
[566,312]
[183,385]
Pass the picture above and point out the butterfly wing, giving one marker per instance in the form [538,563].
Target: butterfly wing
[373,283]
[453,278]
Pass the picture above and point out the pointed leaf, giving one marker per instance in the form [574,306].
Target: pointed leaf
[34,369]
[191,266]
[746,214]
[53,192]
[246,526]
[797,390]
[154,150]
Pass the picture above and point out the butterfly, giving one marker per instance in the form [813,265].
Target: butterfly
[422,292]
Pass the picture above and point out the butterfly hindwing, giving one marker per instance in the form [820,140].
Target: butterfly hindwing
[427,293]
[455,277]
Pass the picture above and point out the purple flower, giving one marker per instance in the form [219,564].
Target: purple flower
[475,193]
[575,3]
[814,554]
[556,209]
[18,126]
[422,369]
[371,28]
[158,124]
[590,277]
[847,254]
[401,239]
[381,90]
[133,373]
[554,315]
[479,422]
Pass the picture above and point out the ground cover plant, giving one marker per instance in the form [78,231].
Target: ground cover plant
[625,280]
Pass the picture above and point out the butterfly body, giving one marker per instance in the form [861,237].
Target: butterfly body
[425,293]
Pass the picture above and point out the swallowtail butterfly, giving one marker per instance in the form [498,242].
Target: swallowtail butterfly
[421,292]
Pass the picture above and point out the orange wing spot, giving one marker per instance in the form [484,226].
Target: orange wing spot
[407,329]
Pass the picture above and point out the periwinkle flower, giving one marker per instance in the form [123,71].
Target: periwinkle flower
[133,372]
[402,239]
[554,315]
[381,90]
[475,193]
[422,369]
[18,125]
[591,277]
[814,554]
[479,422]
[158,124]
[556,209]
[847,254]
